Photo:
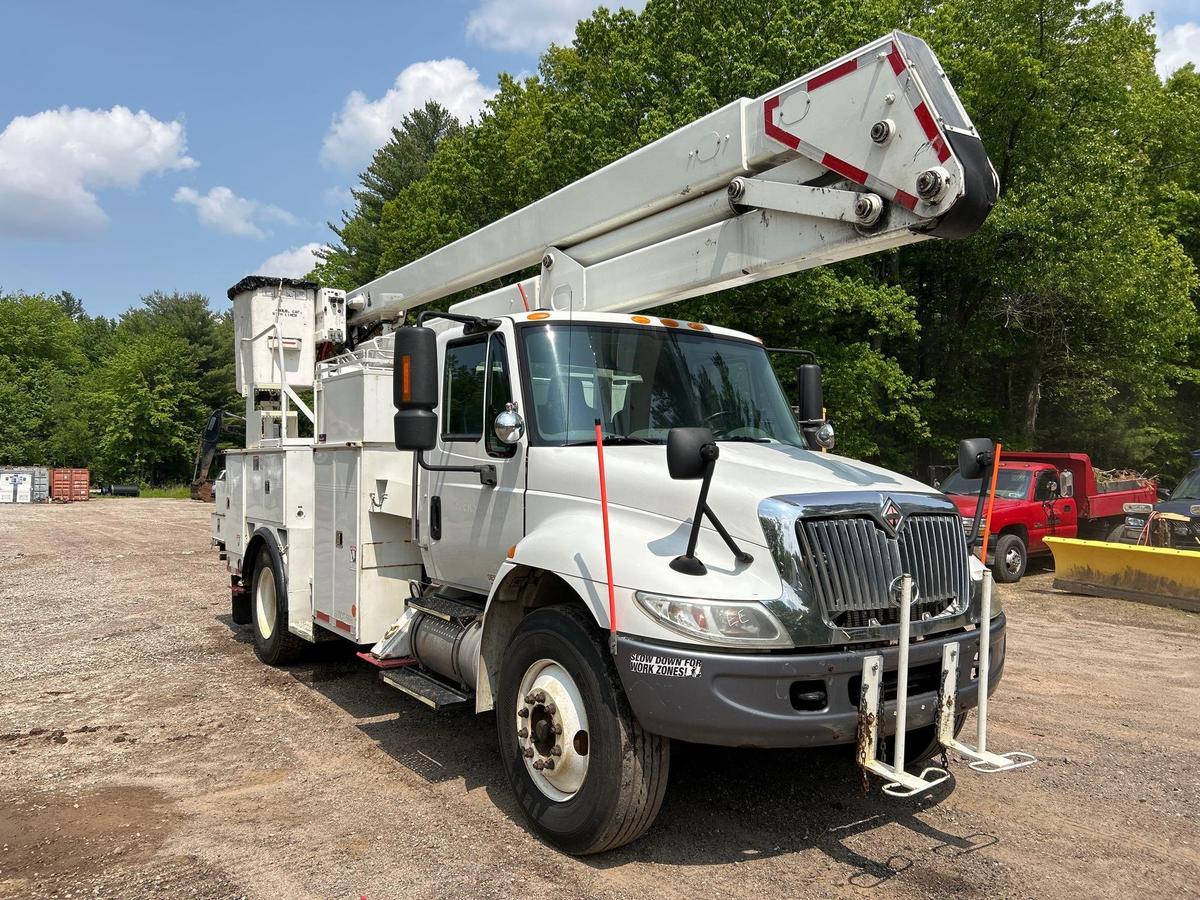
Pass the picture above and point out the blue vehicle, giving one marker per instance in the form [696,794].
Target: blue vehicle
[1172,522]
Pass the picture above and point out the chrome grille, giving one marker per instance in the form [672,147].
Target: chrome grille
[851,563]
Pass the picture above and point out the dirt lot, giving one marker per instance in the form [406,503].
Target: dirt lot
[147,753]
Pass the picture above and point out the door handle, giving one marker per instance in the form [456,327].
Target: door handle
[435,518]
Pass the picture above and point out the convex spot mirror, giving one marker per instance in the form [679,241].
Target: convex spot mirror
[689,452]
[509,425]
[975,456]
[415,388]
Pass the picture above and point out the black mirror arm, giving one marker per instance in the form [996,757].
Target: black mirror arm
[487,472]
[985,478]
[688,564]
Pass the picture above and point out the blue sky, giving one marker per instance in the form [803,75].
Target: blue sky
[180,146]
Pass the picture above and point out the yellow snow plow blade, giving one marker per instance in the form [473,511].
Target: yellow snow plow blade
[1155,575]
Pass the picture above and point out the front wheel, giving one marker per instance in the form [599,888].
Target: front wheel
[585,774]
[1011,558]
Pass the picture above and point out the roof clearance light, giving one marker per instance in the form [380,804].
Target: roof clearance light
[641,320]
[539,315]
[670,323]
[695,326]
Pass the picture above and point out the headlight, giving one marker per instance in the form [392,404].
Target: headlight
[715,621]
[1135,522]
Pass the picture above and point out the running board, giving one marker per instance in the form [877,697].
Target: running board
[431,691]
[898,782]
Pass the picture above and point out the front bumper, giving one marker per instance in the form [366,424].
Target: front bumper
[767,700]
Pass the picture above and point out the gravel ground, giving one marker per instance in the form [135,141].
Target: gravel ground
[147,753]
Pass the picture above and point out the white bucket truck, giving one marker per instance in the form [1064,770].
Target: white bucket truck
[608,527]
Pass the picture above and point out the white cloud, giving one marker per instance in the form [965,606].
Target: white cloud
[363,126]
[339,195]
[529,25]
[52,163]
[295,262]
[225,211]
[1178,47]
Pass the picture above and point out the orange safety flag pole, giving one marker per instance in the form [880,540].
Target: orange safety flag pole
[612,595]
[987,518]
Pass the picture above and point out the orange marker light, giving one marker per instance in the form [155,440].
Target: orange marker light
[670,323]
[512,551]
[406,378]
[641,320]
[539,315]
[695,326]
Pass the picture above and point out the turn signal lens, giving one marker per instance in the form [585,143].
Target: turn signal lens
[715,621]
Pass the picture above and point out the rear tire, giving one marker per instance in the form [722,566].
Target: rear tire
[1011,559]
[273,643]
[608,779]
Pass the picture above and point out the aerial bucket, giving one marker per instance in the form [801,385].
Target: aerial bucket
[1158,575]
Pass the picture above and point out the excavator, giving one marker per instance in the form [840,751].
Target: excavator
[206,452]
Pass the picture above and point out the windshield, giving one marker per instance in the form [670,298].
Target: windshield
[1189,488]
[1012,484]
[642,382]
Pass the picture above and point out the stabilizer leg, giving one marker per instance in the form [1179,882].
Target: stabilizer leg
[981,760]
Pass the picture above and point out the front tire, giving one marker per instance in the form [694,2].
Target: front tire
[273,643]
[1011,559]
[586,775]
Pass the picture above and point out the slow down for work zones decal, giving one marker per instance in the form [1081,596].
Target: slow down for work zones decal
[671,666]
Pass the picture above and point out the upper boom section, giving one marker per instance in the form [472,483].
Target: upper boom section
[870,151]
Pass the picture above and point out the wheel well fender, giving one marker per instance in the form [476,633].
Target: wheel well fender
[1019,530]
[520,590]
[263,540]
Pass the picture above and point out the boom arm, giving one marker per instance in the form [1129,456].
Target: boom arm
[869,152]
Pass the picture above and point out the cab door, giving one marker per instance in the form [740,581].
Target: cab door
[1058,516]
[468,526]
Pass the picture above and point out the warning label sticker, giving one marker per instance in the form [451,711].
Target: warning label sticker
[670,666]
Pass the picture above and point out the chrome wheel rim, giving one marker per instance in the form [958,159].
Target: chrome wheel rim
[265,603]
[1012,561]
[552,730]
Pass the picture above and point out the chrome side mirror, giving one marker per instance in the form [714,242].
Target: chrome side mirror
[509,425]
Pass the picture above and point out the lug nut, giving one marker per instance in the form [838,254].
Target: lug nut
[539,696]
[549,764]
[528,752]
[539,765]
[551,709]
[523,712]
[523,733]
[529,698]
[556,750]
[557,728]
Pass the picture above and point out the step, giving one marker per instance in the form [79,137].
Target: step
[433,693]
[445,608]
[397,663]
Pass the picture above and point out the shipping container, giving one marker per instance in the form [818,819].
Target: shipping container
[39,485]
[69,485]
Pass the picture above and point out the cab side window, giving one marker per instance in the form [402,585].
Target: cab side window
[1047,482]
[499,394]
[462,390]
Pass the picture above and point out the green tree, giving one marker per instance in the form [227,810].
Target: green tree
[355,259]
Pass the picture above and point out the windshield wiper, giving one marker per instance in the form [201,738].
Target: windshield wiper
[746,439]
[613,440]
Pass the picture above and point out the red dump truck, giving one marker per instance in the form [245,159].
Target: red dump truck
[1046,494]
